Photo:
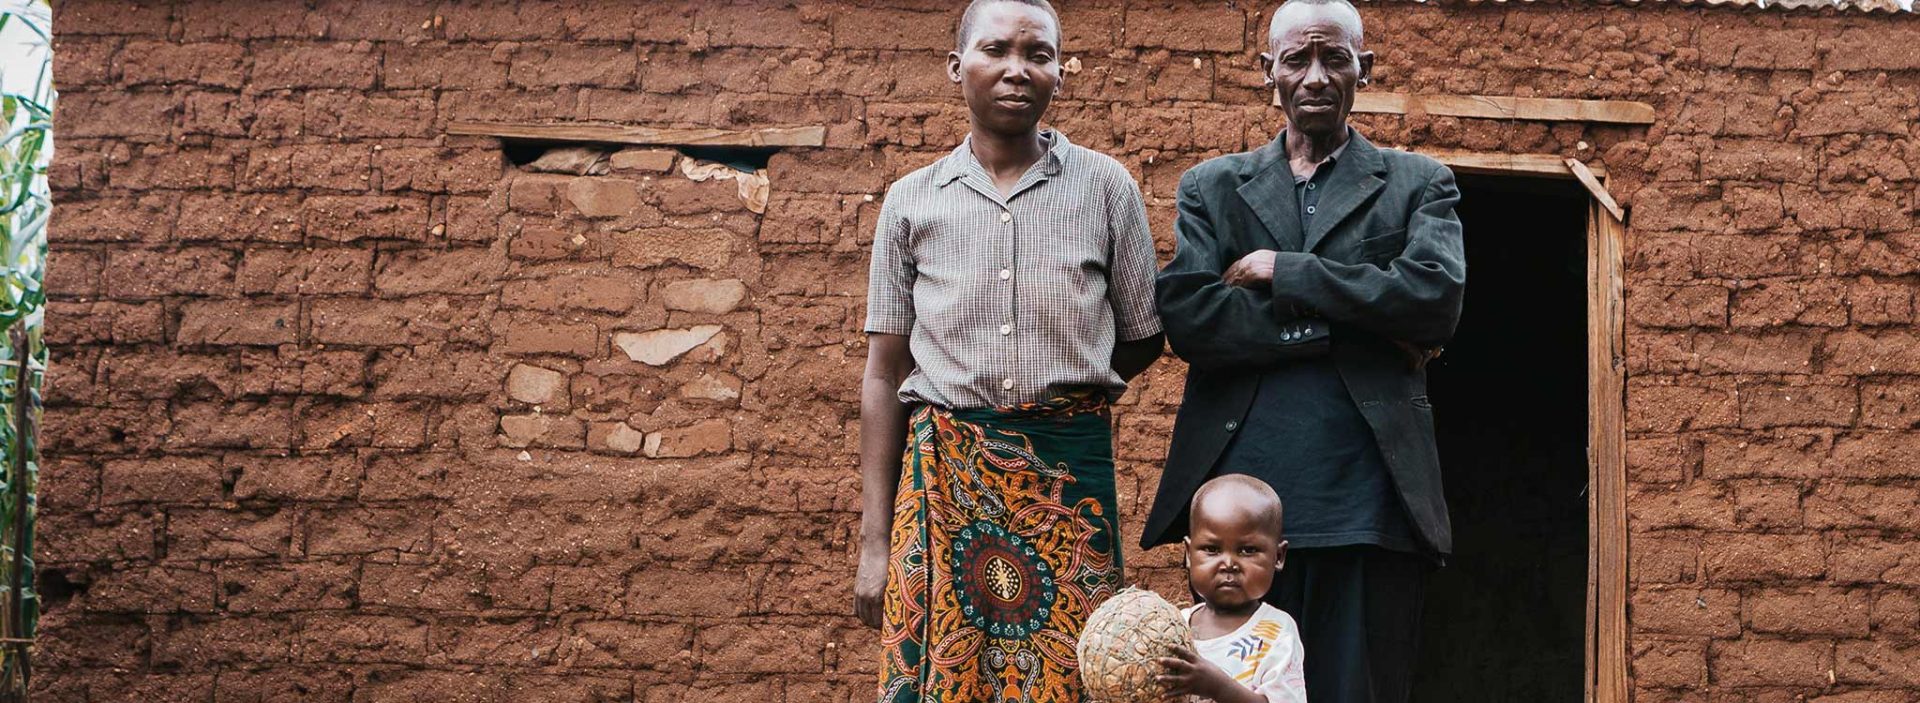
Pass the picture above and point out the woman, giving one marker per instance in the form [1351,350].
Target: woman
[1010,298]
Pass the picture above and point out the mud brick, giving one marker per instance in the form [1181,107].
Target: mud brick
[628,644]
[319,271]
[238,322]
[349,218]
[145,115]
[148,218]
[151,62]
[227,217]
[1758,661]
[351,115]
[243,425]
[311,477]
[121,535]
[258,587]
[457,271]
[764,26]
[211,534]
[398,322]
[440,65]
[154,589]
[609,66]
[356,531]
[284,684]
[297,66]
[326,637]
[1839,504]
[438,169]
[1214,28]
[446,374]
[1872,560]
[288,371]
[1731,557]
[160,480]
[1813,611]
[1709,612]
[533,335]
[135,274]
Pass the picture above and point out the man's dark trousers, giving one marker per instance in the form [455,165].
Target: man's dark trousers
[1358,608]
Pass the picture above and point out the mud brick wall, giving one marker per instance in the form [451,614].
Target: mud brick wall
[344,408]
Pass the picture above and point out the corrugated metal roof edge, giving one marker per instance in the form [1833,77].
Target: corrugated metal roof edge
[1889,7]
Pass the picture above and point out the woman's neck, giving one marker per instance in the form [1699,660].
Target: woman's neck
[1007,156]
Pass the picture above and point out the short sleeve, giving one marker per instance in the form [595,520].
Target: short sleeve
[1283,676]
[1132,267]
[890,274]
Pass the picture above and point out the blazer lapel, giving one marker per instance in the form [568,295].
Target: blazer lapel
[1269,193]
[1356,177]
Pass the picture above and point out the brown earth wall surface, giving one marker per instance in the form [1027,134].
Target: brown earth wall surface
[346,409]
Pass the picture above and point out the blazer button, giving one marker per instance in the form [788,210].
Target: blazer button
[1233,425]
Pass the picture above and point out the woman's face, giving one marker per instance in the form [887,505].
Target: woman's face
[1009,68]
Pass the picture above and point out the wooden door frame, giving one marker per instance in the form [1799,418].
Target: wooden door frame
[1606,611]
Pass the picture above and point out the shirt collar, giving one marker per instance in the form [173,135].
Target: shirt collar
[1324,163]
[956,164]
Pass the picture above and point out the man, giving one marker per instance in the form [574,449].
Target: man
[1313,278]
[1009,300]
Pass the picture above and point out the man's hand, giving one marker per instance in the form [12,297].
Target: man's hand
[870,585]
[1254,270]
[1416,356]
[1189,675]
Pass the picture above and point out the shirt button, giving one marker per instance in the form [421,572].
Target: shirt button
[1006,216]
[1310,209]
[1006,329]
[1233,425]
[1007,384]
[1006,274]
[1310,186]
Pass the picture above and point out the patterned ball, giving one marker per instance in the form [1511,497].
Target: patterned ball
[1120,642]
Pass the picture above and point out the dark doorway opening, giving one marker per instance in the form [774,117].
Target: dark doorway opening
[1506,618]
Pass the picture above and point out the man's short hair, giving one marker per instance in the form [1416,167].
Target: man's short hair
[1355,27]
[965,32]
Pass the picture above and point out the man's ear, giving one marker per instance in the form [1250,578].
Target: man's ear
[953,66]
[1280,556]
[1266,69]
[1366,67]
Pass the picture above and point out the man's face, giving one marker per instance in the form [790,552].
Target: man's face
[1315,63]
[1231,555]
[1009,69]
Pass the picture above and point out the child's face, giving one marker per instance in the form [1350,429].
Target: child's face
[1231,557]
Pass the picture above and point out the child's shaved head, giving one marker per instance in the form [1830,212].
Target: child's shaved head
[1234,495]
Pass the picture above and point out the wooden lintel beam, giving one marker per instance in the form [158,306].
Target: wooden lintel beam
[815,135]
[1498,107]
[1508,164]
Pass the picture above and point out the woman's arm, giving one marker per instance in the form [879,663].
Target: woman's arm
[883,438]
[1132,358]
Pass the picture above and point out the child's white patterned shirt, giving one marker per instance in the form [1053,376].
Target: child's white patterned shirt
[1264,655]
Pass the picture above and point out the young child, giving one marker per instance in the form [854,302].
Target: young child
[1244,651]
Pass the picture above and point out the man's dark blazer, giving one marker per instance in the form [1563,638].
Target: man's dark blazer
[1383,263]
